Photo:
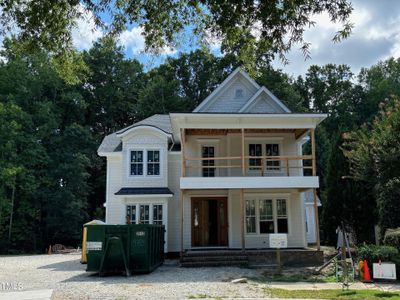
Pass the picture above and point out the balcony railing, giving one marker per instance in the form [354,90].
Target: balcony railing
[250,166]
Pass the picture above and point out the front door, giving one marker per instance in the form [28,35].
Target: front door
[209,222]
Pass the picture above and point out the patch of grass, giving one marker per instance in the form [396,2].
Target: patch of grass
[332,294]
[199,296]
[294,278]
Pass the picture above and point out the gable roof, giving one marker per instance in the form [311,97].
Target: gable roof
[210,98]
[113,142]
[219,101]
[264,90]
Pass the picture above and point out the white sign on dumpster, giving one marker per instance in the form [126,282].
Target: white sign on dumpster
[93,246]
[278,240]
[384,271]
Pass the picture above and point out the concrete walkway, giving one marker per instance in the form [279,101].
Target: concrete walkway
[27,295]
[387,287]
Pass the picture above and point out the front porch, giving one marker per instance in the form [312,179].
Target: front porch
[251,257]
[217,220]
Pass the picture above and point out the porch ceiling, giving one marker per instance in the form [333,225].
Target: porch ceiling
[298,132]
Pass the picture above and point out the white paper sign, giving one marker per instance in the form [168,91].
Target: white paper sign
[93,246]
[278,240]
[384,271]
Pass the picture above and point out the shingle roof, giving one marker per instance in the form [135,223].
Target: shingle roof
[112,143]
[145,191]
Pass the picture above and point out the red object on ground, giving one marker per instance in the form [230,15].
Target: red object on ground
[367,275]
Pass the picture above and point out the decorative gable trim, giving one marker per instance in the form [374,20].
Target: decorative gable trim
[253,99]
[213,95]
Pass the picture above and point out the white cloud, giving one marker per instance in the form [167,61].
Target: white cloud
[85,33]
[133,41]
[376,36]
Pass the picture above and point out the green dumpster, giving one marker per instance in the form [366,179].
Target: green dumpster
[124,248]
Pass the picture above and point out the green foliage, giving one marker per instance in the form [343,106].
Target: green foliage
[392,237]
[374,253]
[253,31]
[375,156]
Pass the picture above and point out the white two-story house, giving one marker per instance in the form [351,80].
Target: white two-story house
[225,176]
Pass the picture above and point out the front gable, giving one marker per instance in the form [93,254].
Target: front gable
[264,102]
[231,94]
[239,93]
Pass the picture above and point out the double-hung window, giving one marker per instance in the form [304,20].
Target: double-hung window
[255,150]
[145,162]
[157,214]
[250,216]
[144,214]
[131,214]
[266,215]
[281,215]
[137,162]
[153,162]
[208,152]
[272,150]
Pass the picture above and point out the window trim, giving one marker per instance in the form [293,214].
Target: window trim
[274,198]
[145,150]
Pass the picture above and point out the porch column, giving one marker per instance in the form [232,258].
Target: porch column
[242,219]
[183,174]
[314,173]
[182,210]
[242,155]
[242,195]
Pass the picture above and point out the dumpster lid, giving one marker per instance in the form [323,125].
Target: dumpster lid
[95,222]
[160,191]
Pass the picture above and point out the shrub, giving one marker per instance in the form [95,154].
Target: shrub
[374,253]
[392,237]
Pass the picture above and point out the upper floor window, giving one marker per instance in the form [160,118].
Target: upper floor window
[208,152]
[137,162]
[255,150]
[145,162]
[272,150]
[153,162]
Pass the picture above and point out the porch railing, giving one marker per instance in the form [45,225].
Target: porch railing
[254,165]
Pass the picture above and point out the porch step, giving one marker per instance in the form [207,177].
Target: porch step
[213,258]
[222,263]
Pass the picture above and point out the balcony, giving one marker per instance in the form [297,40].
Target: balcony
[249,172]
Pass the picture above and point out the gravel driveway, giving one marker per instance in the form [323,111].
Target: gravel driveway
[67,278]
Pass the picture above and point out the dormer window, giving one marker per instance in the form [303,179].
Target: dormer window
[239,93]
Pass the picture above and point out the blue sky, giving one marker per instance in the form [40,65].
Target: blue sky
[376,36]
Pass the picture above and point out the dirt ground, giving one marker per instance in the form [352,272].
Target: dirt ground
[67,278]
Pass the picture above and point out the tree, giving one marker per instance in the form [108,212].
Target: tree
[375,156]
[254,31]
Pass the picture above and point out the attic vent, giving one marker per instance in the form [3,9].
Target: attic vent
[239,93]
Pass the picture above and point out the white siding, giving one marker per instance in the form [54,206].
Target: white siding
[174,209]
[226,100]
[114,215]
[264,104]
